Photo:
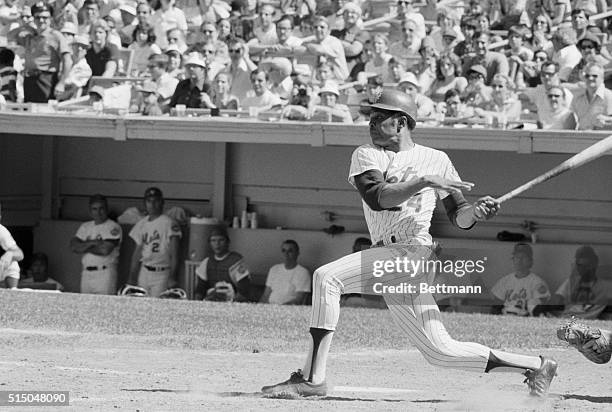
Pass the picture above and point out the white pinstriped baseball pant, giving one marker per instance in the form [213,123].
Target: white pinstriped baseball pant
[417,314]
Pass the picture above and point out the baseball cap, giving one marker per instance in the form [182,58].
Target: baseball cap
[350,6]
[195,59]
[128,8]
[153,192]
[81,39]
[218,231]
[411,78]
[69,27]
[478,68]
[97,198]
[40,7]
[523,248]
[173,48]
[396,101]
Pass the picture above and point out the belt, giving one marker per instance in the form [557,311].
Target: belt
[94,268]
[36,72]
[156,269]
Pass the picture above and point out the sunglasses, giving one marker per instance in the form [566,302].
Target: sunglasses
[207,31]
[235,50]
[591,76]
[558,96]
[475,76]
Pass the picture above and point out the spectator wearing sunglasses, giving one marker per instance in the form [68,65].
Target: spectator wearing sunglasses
[560,116]
[240,68]
[549,75]
[593,103]
[590,47]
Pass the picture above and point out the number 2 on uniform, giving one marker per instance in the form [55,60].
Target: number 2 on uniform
[155,247]
[415,202]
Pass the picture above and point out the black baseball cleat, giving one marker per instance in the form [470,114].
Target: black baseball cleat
[539,380]
[297,385]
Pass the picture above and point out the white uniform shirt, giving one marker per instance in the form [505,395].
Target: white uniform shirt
[286,283]
[109,230]
[7,242]
[154,237]
[521,295]
[410,221]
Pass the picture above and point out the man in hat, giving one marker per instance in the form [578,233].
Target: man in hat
[98,242]
[96,94]
[193,91]
[80,72]
[149,104]
[69,30]
[409,84]
[329,106]
[154,262]
[224,269]
[279,69]
[399,182]
[175,62]
[522,290]
[47,57]
[590,48]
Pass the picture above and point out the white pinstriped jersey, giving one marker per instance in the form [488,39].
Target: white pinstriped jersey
[154,236]
[410,221]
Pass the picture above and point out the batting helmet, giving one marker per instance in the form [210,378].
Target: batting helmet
[396,101]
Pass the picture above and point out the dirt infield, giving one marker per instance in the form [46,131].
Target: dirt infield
[127,372]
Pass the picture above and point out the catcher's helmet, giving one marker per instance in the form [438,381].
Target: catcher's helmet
[130,290]
[174,293]
[396,101]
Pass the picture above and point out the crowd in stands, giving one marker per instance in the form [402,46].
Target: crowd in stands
[498,63]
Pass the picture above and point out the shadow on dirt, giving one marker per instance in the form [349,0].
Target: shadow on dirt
[594,399]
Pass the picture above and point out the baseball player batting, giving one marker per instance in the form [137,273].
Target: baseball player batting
[399,181]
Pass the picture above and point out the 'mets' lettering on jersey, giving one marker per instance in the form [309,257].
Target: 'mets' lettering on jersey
[409,221]
[154,238]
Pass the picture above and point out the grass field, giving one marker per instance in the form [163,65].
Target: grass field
[145,354]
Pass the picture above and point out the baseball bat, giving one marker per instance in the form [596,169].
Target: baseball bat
[590,153]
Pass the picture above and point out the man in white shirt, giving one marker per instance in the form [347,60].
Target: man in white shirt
[98,241]
[522,290]
[260,98]
[288,283]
